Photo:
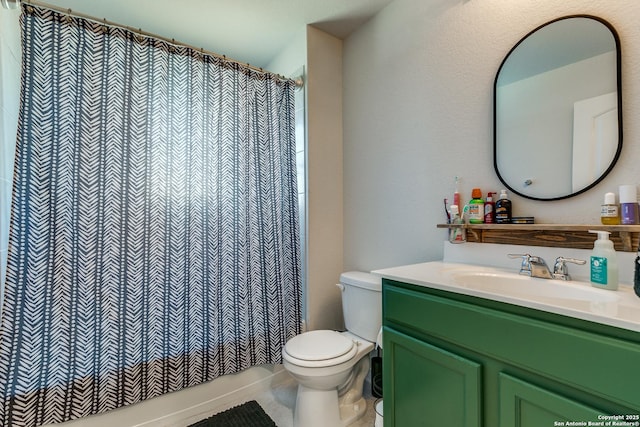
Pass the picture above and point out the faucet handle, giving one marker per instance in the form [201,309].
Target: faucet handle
[537,260]
[560,270]
[525,267]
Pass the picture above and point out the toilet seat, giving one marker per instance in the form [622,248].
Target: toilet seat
[319,349]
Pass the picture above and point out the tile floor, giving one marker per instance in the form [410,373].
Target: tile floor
[280,401]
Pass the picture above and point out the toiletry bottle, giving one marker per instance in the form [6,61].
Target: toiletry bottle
[456,194]
[628,204]
[503,209]
[604,263]
[457,234]
[489,209]
[476,207]
[609,212]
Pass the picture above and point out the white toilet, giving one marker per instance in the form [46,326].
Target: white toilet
[331,366]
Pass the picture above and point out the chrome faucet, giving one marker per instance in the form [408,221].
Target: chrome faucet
[533,266]
[560,270]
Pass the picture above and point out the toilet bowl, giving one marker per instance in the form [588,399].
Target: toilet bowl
[330,367]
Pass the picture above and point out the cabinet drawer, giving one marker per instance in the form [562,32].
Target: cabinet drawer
[600,365]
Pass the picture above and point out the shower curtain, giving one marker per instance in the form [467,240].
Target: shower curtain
[154,240]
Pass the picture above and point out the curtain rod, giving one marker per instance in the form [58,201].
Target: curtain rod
[13,4]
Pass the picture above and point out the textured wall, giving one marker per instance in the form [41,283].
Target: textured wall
[324,179]
[322,54]
[9,103]
[418,106]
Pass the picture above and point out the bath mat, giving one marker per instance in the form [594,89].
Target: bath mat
[248,414]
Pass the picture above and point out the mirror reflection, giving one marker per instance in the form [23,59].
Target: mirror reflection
[557,109]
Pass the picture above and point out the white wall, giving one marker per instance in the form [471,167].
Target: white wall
[324,179]
[292,57]
[418,102]
[322,55]
[10,57]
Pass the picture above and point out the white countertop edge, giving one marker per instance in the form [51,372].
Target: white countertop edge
[418,274]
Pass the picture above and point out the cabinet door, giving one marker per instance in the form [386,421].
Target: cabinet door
[524,405]
[427,386]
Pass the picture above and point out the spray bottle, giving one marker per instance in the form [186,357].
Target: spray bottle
[604,262]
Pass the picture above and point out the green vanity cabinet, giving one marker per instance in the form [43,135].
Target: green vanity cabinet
[454,398]
[457,361]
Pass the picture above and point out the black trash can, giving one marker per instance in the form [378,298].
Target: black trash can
[376,374]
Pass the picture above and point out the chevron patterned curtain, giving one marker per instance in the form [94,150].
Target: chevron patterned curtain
[154,242]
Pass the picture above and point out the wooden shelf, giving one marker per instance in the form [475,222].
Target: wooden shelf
[625,237]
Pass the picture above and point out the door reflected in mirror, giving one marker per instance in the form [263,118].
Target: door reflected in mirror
[557,109]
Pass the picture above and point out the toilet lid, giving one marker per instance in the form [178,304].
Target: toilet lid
[319,345]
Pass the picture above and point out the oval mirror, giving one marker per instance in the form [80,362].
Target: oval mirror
[557,109]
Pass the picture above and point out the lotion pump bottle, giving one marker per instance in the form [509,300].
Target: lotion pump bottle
[604,262]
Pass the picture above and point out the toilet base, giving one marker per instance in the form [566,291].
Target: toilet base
[322,408]
[316,408]
[352,412]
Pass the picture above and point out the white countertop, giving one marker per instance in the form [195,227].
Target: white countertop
[575,299]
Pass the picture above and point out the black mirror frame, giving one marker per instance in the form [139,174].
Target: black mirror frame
[619,89]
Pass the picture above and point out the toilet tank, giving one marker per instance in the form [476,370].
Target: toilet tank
[362,303]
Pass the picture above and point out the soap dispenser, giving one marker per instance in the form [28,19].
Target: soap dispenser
[604,262]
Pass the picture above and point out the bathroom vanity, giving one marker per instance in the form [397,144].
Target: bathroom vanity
[473,346]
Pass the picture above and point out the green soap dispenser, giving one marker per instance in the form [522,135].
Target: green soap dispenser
[604,262]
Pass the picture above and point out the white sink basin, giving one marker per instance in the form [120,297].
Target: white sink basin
[528,287]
